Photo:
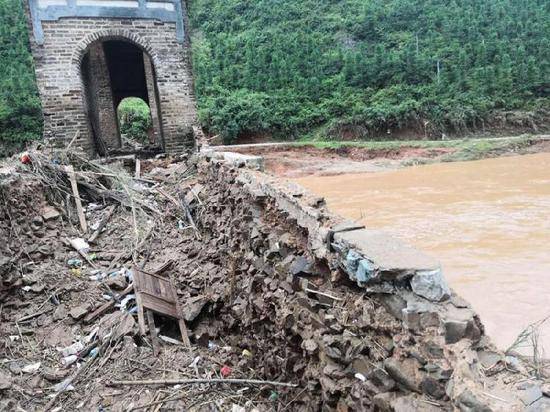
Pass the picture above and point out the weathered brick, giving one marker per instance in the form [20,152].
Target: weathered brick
[58,71]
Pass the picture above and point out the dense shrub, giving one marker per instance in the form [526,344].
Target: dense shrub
[20,110]
[288,66]
[134,118]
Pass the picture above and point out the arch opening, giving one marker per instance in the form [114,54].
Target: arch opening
[114,70]
[135,123]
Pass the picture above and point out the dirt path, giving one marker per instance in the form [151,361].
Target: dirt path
[324,159]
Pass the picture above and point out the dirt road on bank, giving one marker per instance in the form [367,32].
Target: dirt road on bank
[294,160]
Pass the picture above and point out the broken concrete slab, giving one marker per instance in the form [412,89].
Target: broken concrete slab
[78,312]
[530,395]
[379,256]
[489,358]
[60,312]
[5,381]
[405,372]
[237,159]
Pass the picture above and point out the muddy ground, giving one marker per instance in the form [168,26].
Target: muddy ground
[246,315]
[305,160]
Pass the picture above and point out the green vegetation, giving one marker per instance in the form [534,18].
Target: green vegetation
[134,117]
[20,111]
[336,69]
[462,149]
[368,67]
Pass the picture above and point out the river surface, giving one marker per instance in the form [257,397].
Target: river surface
[487,221]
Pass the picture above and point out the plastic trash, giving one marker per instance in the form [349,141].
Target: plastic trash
[64,386]
[91,335]
[195,362]
[225,371]
[80,244]
[25,158]
[74,263]
[72,349]
[124,302]
[98,276]
[93,353]
[360,376]
[69,360]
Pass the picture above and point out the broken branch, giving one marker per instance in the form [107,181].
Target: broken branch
[197,381]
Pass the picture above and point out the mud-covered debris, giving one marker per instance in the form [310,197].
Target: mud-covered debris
[530,395]
[116,325]
[117,282]
[50,213]
[78,312]
[194,307]
[5,381]
[31,368]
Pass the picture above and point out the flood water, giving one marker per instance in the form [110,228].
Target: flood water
[487,221]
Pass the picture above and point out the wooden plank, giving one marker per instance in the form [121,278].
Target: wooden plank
[138,169]
[153,332]
[141,318]
[165,266]
[99,311]
[184,334]
[106,306]
[158,305]
[70,172]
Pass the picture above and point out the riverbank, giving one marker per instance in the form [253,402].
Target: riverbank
[485,220]
[324,158]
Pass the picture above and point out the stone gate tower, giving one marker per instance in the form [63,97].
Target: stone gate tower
[91,54]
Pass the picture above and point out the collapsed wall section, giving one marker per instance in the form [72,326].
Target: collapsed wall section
[364,319]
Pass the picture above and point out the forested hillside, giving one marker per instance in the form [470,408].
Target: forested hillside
[369,67]
[20,116]
[348,68]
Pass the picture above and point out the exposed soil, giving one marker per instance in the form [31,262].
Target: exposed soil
[298,161]
[239,283]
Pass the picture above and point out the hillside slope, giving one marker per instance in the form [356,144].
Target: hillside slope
[348,68]
[363,68]
[20,111]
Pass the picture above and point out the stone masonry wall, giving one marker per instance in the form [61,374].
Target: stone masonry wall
[101,109]
[57,65]
[383,330]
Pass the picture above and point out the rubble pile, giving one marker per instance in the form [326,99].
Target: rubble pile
[283,307]
[27,228]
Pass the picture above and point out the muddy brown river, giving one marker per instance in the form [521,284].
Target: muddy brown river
[487,221]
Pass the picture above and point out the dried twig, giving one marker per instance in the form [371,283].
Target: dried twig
[197,381]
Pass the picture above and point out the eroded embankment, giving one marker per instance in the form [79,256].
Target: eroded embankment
[272,285]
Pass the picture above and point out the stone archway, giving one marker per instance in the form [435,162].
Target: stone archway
[113,68]
[61,49]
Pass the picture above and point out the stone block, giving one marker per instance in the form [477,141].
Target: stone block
[371,255]
[431,285]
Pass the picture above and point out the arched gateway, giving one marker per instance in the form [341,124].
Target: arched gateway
[91,54]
